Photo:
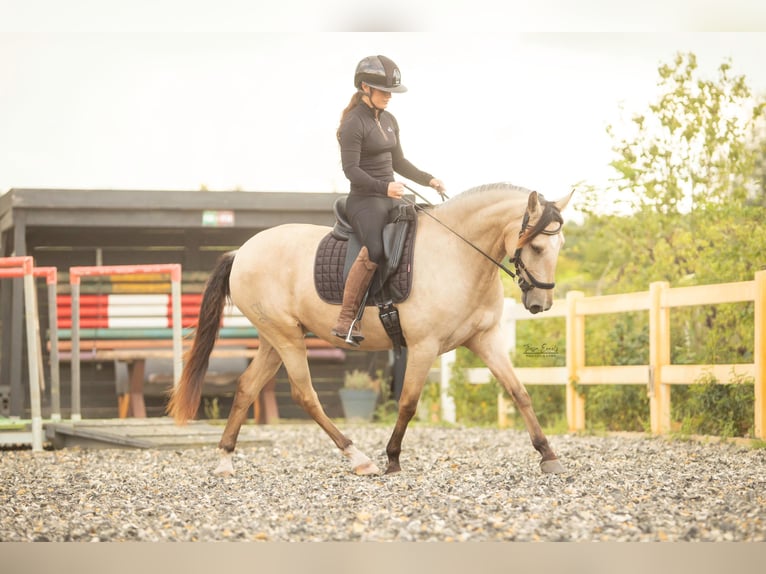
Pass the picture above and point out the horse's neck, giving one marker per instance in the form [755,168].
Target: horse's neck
[484,217]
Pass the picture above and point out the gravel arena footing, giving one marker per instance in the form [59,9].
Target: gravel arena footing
[456,484]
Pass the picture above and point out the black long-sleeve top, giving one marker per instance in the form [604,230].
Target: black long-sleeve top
[371,152]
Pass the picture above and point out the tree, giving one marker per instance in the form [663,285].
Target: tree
[688,173]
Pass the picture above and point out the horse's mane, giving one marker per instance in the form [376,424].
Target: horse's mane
[503,189]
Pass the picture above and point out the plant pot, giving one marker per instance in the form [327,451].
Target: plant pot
[358,403]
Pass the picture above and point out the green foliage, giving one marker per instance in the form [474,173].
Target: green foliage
[474,404]
[686,207]
[357,379]
[540,343]
[387,409]
[549,402]
[686,175]
[211,408]
[429,408]
[621,339]
[616,407]
[709,407]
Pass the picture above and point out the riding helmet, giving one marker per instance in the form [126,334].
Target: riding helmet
[380,73]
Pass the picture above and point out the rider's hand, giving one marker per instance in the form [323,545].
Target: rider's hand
[438,185]
[395,190]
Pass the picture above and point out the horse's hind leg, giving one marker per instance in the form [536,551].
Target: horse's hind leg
[261,370]
[490,348]
[303,393]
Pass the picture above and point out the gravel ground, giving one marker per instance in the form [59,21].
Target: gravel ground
[456,485]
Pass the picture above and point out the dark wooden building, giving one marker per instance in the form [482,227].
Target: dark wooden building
[65,228]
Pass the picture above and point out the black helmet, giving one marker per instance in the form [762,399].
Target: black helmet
[380,73]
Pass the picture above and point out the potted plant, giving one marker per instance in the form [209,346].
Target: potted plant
[359,395]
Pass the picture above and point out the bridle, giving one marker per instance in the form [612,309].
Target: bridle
[550,214]
[531,282]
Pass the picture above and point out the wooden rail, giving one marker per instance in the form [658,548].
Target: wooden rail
[659,374]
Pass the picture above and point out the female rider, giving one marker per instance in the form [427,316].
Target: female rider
[371,151]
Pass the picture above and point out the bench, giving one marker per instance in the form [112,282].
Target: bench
[133,328]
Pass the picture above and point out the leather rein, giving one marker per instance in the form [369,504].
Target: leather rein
[550,214]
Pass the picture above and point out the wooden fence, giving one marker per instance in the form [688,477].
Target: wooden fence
[659,374]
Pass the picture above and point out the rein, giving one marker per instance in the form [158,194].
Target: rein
[523,284]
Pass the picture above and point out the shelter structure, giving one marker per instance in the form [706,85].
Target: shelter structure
[65,228]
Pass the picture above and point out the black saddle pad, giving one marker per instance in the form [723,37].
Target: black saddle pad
[329,263]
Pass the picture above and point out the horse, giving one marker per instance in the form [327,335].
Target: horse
[456,300]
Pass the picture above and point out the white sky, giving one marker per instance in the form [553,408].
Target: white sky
[157,95]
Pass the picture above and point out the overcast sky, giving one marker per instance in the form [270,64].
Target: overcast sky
[103,97]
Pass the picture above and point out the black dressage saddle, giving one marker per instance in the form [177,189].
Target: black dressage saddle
[339,248]
[392,280]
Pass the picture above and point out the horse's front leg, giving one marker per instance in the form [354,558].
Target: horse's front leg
[260,371]
[419,361]
[490,347]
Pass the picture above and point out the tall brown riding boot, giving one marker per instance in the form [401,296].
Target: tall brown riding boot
[359,277]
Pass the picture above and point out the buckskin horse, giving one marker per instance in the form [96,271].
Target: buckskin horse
[456,299]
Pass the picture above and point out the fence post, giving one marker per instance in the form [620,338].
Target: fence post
[447,402]
[659,355]
[575,326]
[52,282]
[74,285]
[759,353]
[175,300]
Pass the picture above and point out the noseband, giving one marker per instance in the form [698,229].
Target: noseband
[550,214]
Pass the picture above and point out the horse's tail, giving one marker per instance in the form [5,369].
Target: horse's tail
[186,396]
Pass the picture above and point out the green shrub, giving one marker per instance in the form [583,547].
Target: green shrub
[712,408]
[474,404]
[616,407]
[549,403]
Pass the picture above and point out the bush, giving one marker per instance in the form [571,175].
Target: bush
[616,407]
[549,403]
[711,408]
[474,404]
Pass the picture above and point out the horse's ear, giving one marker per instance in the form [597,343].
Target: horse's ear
[533,204]
[562,203]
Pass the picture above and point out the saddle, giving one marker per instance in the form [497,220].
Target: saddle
[392,280]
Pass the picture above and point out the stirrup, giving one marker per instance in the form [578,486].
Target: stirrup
[352,339]
[348,337]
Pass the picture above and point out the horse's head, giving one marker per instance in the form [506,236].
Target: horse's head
[537,250]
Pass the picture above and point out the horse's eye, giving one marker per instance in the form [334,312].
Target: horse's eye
[536,249]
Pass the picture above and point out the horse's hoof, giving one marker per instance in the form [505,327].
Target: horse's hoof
[552,466]
[367,468]
[393,469]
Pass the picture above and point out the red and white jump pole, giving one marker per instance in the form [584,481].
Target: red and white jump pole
[17,267]
[75,273]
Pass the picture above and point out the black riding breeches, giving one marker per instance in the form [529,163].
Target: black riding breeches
[368,215]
